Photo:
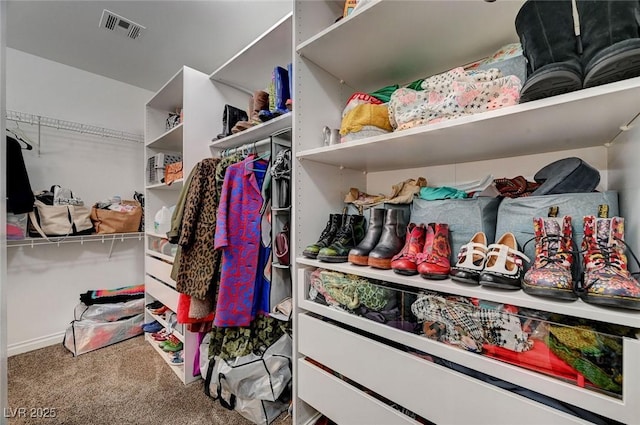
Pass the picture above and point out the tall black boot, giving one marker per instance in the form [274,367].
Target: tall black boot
[391,240]
[549,44]
[350,234]
[360,254]
[611,40]
[326,237]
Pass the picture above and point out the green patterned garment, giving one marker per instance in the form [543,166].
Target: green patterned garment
[229,343]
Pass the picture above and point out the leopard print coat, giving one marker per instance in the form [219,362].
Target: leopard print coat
[199,262]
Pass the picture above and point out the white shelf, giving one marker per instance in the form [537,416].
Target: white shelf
[177,369]
[156,235]
[54,240]
[255,133]
[576,308]
[524,129]
[165,324]
[251,68]
[171,140]
[169,97]
[399,53]
[160,255]
[176,185]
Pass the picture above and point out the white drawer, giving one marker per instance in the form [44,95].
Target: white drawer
[343,403]
[159,269]
[428,389]
[161,292]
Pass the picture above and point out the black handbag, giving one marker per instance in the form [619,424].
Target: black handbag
[230,117]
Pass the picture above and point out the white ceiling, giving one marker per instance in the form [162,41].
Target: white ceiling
[199,34]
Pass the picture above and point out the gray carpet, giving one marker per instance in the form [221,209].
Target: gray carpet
[126,383]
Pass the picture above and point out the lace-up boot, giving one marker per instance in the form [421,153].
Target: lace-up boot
[607,280]
[433,262]
[551,272]
[405,261]
[349,235]
[326,237]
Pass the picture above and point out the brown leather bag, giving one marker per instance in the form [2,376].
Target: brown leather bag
[173,172]
[108,221]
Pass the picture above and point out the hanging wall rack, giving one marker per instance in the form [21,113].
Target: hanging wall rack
[42,121]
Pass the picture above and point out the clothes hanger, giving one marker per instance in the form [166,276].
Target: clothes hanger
[19,135]
[266,155]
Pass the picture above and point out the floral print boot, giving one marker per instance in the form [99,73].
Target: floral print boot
[607,280]
[551,272]
[433,263]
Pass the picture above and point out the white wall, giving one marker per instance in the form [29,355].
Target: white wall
[44,282]
[3,252]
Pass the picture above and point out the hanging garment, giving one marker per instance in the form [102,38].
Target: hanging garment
[199,261]
[237,235]
[19,194]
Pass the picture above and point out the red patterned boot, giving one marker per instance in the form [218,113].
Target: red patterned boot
[551,272]
[607,280]
[434,261]
[405,261]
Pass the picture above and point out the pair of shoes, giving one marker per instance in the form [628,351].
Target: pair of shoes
[497,265]
[176,358]
[152,327]
[341,233]
[171,344]
[570,46]
[426,252]
[161,335]
[384,239]
[160,310]
[153,305]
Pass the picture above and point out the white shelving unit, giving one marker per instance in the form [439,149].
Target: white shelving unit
[333,61]
[192,92]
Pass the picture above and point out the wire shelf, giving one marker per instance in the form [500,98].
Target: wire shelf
[22,117]
[108,237]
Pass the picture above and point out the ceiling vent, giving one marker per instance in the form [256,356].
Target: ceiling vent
[117,23]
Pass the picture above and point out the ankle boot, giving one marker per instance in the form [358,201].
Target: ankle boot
[350,234]
[606,279]
[391,240]
[549,44]
[551,274]
[326,237]
[433,262]
[405,261]
[611,40]
[360,254]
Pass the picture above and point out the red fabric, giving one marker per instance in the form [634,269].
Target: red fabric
[540,358]
[184,303]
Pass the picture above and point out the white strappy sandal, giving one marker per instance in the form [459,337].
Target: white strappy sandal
[471,260]
[504,266]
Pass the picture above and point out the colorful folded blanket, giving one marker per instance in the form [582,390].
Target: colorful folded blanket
[106,296]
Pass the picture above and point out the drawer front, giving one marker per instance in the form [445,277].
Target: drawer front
[161,292]
[430,390]
[159,269]
[343,403]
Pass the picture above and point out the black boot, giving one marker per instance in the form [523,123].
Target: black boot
[326,237]
[391,240]
[549,44]
[350,234]
[360,254]
[611,40]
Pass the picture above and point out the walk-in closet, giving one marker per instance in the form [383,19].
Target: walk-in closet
[295,212]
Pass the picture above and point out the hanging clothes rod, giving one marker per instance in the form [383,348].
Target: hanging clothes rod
[42,121]
[244,148]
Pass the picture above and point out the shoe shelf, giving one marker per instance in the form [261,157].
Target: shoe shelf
[248,69]
[178,369]
[362,68]
[170,141]
[164,257]
[576,308]
[255,133]
[585,123]
[161,319]
[176,185]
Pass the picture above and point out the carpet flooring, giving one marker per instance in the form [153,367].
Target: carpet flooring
[126,383]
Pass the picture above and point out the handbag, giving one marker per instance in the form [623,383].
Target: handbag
[173,172]
[230,117]
[110,221]
[59,220]
[282,246]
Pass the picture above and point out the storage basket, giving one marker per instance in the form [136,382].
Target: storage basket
[157,163]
